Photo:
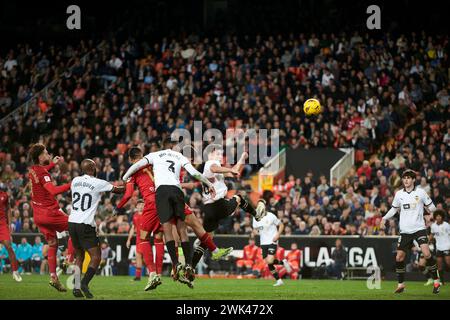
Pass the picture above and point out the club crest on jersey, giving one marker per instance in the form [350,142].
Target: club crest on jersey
[417,198]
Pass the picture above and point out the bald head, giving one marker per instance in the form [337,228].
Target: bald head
[88,167]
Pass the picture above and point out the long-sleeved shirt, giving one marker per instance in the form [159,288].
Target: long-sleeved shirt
[24,251]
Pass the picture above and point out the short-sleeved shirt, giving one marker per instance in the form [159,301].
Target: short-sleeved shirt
[167,165]
[39,176]
[86,195]
[218,181]
[441,232]
[267,227]
[411,206]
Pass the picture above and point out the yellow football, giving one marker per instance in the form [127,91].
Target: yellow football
[312,107]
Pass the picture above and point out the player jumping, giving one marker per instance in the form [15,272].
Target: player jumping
[5,236]
[87,192]
[48,217]
[410,201]
[150,222]
[170,203]
[218,207]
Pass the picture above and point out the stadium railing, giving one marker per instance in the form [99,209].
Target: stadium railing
[343,166]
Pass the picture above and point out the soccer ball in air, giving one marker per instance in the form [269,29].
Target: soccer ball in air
[312,107]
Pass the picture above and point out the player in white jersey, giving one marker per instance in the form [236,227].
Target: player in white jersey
[217,207]
[411,201]
[270,229]
[170,205]
[440,232]
[87,192]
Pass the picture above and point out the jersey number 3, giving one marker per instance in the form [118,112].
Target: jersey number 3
[172,166]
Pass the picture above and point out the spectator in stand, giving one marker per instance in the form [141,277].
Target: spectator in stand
[24,253]
[249,257]
[37,256]
[339,261]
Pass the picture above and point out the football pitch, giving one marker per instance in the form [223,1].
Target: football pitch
[122,288]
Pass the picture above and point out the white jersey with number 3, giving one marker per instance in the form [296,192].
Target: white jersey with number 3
[86,195]
[218,181]
[441,232]
[166,167]
[267,227]
[411,206]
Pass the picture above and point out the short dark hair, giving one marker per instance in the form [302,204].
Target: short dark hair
[35,151]
[439,212]
[409,173]
[134,153]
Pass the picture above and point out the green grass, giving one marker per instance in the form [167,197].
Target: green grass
[121,287]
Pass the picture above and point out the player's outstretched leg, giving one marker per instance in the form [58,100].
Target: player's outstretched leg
[206,239]
[258,213]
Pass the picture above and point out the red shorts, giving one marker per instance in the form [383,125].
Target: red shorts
[150,221]
[50,220]
[187,211]
[4,232]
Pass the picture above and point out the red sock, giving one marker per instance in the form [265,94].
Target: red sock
[13,259]
[147,254]
[52,260]
[159,246]
[138,272]
[207,241]
[70,251]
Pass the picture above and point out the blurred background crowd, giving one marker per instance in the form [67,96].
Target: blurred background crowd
[386,95]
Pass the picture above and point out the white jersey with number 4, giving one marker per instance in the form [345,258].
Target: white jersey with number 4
[86,195]
[411,206]
[267,227]
[166,167]
[441,232]
[218,181]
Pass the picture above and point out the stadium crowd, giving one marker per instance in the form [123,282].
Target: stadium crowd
[388,98]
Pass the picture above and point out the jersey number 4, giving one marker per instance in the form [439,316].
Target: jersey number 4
[86,201]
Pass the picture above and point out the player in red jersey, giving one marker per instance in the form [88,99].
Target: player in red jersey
[249,257]
[49,218]
[292,267]
[5,236]
[149,221]
[135,229]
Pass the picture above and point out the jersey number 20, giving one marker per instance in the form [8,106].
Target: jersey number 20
[86,201]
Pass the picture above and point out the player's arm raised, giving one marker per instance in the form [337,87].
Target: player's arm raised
[145,161]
